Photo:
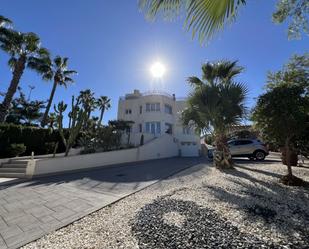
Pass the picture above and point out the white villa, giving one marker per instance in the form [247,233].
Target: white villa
[155,115]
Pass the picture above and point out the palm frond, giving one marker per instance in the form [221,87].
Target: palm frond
[220,70]
[58,61]
[40,65]
[206,17]
[228,69]
[11,41]
[69,72]
[194,81]
[43,52]
[168,8]
[12,62]
[65,62]
[4,21]
[203,17]
[68,79]
[31,42]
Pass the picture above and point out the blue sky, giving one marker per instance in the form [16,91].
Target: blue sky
[112,46]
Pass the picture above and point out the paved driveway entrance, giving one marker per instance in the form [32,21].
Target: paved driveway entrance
[31,209]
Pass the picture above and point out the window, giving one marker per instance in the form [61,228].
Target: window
[152,107]
[153,127]
[186,130]
[157,107]
[140,109]
[186,143]
[168,128]
[242,142]
[140,128]
[128,111]
[167,109]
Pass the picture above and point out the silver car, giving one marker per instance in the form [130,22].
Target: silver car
[251,148]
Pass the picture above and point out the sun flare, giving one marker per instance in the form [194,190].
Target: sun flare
[157,70]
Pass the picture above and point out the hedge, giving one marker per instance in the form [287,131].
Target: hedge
[35,139]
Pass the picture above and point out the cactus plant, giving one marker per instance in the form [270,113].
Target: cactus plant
[78,118]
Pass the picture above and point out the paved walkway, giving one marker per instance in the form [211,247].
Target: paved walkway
[31,209]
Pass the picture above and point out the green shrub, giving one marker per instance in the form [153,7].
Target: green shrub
[34,138]
[15,149]
[87,151]
[49,147]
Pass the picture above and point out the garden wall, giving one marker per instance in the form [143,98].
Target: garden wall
[162,147]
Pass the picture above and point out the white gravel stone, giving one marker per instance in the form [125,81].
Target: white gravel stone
[249,198]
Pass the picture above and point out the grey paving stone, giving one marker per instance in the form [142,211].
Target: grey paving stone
[40,211]
[17,241]
[47,219]
[62,212]
[12,215]
[10,231]
[2,244]
[3,211]
[23,221]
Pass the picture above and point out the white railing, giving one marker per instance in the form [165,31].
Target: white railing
[156,92]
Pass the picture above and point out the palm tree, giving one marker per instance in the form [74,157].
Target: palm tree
[217,103]
[58,71]
[103,102]
[4,22]
[204,17]
[25,51]
[88,101]
[52,118]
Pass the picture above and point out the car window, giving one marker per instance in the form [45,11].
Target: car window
[243,142]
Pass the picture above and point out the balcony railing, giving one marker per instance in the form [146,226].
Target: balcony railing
[156,92]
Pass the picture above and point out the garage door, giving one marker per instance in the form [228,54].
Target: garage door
[189,149]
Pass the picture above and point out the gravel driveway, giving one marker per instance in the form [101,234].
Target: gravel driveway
[200,208]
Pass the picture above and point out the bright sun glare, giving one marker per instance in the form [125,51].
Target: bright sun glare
[157,70]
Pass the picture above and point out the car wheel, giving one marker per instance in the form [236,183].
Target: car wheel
[260,155]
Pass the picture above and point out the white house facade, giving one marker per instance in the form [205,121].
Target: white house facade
[156,114]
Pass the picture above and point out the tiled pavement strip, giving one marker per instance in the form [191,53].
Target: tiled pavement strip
[31,209]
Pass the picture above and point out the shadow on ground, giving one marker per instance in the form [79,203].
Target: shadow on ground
[267,201]
[192,227]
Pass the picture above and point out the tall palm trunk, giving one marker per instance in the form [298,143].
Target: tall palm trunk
[101,116]
[222,155]
[17,73]
[50,100]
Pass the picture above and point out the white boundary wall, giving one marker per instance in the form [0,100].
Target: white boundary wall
[162,147]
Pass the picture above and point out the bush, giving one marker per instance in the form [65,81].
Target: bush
[49,147]
[34,138]
[14,150]
[87,151]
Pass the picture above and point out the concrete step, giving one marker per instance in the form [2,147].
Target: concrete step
[13,165]
[13,175]
[12,170]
